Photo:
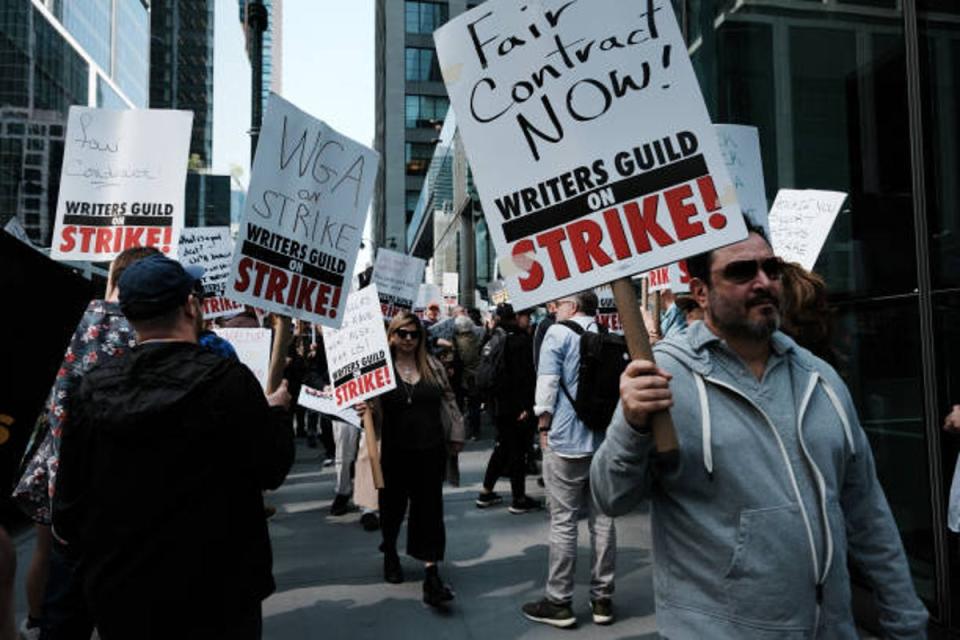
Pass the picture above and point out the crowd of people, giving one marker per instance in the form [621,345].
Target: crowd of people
[772,487]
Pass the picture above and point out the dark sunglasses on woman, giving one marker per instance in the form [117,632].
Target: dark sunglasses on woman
[403,334]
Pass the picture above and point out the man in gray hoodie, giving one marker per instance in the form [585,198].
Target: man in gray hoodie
[775,483]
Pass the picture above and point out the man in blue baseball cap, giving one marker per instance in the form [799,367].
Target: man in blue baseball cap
[161,474]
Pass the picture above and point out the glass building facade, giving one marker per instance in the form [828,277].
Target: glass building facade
[860,96]
[45,68]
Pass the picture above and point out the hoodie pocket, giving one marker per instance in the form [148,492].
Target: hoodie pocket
[771,569]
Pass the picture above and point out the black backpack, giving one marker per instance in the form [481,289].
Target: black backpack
[490,371]
[603,357]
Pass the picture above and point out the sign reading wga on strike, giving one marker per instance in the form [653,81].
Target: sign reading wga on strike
[122,182]
[358,353]
[305,212]
[614,166]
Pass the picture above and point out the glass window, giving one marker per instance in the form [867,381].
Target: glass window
[411,204]
[425,17]
[422,65]
[425,111]
[418,156]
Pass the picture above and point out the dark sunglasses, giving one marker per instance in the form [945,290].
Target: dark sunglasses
[743,271]
[403,334]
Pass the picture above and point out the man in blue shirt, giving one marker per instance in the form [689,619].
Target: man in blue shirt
[568,447]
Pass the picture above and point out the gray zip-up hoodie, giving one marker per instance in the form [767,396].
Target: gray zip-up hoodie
[752,529]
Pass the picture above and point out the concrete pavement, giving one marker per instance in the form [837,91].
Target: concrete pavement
[329,572]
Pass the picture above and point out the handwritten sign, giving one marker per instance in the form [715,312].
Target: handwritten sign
[253,349]
[398,277]
[451,288]
[322,402]
[428,293]
[800,221]
[212,249]
[358,354]
[614,166]
[740,146]
[303,220]
[122,184]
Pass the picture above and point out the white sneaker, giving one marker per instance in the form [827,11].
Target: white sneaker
[29,633]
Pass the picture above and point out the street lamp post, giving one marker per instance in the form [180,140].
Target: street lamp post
[257,23]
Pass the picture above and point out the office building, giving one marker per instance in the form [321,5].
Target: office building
[207,200]
[272,46]
[53,56]
[181,67]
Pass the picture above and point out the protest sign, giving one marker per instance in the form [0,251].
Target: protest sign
[122,183]
[428,293]
[679,277]
[800,221]
[658,279]
[253,349]
[740,146]
[15,229]
[451,289]
[358,354]
[607,314]
[304,215]
[398,277]
[614,164]
[212,249]
[322,402]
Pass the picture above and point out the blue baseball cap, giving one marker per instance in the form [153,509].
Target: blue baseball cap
[155,285]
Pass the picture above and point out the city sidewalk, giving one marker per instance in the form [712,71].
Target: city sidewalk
[330,575]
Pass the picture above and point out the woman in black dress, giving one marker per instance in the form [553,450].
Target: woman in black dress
[418,424]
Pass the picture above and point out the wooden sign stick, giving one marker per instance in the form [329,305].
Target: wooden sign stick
[638,344]
[278,356]
[373,451]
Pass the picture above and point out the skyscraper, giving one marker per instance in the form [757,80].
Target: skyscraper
[52,53]
[272,46]
[181,67]
[411,103]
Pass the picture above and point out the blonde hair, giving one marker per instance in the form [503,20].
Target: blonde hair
[424,367]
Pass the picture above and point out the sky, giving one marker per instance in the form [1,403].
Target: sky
[328,71]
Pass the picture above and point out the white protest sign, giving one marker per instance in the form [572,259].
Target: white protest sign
[252,347]
[398,277]
[800,221]
[679,277]
[614,166]
[122,184]
[358,354]
[322,402]
[451,288]
[428,293]
[740,146]
[659,279]
[303,219]
[607,313]
[212,249]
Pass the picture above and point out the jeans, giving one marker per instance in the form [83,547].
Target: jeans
[567,481]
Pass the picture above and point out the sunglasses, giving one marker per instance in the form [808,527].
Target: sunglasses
[403,334]
[743,271]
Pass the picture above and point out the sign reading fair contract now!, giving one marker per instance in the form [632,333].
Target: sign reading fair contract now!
[589,141]
[303,220]
[122,183]
[358,354]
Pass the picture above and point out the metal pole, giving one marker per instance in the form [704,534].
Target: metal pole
[257,18]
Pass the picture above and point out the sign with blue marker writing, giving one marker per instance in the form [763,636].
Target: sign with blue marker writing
[306,207]
[122,182]
[589,141]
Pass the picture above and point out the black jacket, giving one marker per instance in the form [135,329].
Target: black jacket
[516,394]
[163,460]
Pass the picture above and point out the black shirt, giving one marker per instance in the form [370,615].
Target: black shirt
[411,417]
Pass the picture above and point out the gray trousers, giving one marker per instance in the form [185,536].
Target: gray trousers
[567,481]
[346,438]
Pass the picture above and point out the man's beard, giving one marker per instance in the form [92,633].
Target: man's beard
[732,322]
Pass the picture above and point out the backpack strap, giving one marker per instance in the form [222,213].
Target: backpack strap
[573,326]
[577,329]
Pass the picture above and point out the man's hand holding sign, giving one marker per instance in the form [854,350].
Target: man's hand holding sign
[614,166]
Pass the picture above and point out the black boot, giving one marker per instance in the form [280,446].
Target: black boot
[392,571]
[435,592]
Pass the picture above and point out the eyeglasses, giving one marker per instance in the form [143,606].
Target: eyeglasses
[743,271]
[403,334]
[566,301]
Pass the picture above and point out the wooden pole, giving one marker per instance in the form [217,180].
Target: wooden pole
[373,451]
[278,357]
[638,344]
